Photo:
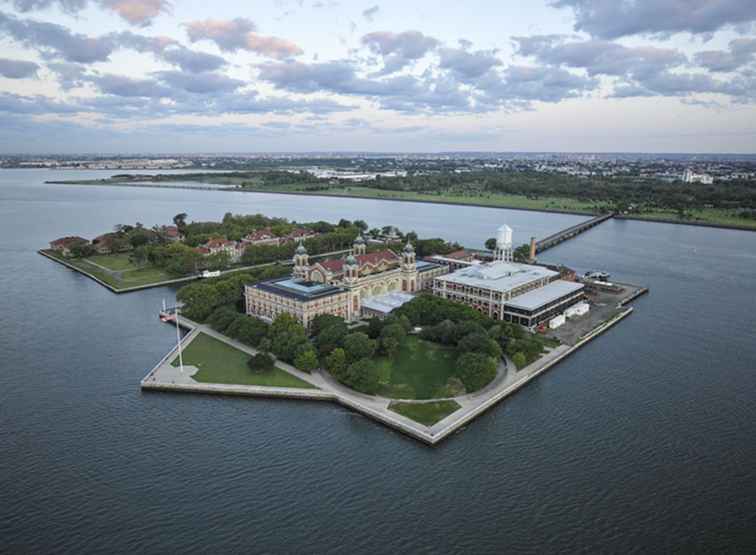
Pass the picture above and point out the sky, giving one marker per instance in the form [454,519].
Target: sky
[184,76]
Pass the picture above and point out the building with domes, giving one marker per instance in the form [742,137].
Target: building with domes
[339,286]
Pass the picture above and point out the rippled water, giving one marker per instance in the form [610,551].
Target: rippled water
[641,441]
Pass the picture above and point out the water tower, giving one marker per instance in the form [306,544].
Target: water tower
[503,252]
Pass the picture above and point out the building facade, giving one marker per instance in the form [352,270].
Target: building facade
[335,286]
[504,290]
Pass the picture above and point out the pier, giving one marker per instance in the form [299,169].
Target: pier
[570,232]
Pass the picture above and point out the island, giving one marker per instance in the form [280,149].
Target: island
[421,343]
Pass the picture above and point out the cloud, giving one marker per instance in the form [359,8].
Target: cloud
[399,49]
[239,34]
[742,52]
[199,83]
[192,61]
[370,13]
[599,57]
[119,85]
[610,19]
[17,69]
[517,86]
[468,64]
[136,12]
[55,40]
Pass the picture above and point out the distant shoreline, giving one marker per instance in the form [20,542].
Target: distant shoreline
[376,197]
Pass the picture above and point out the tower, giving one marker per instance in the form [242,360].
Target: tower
[301,262]
[503,252]
[409,268]
[359,247]
[351,270]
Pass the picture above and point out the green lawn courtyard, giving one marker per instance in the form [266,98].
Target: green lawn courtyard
[116,270]
[425,413]
[421,370]
[221,363]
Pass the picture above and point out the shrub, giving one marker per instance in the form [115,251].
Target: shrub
[261,362]
[306,359]
[519,360]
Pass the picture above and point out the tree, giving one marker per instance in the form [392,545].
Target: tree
[336,363]
[261,362]
[306,360]
[323,321]
[222,317]
[286,335]
[491,244]
[375,326]
[247,329]
[392,339]
[519,360]
[180,220]
[476,370]
[139,238]
[479,343]
[361,224]
[200,299]
[360,376]
[358,346]
[331,337]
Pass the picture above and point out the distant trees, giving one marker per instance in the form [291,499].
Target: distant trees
[491,243]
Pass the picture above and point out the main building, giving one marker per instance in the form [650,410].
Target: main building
[342,286]
[373,284]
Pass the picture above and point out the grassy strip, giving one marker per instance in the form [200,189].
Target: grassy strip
[425,413]
[131,276]
[221,363]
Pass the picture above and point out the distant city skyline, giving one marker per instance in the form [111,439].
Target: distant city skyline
[128,76]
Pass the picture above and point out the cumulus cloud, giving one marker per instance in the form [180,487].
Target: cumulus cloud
[239,34]
[468,64]
[741,52]
[598,56]
[17,69]
[192,61]
[119,85]
[56,40]
[397,50]
[136,12]
[610,19]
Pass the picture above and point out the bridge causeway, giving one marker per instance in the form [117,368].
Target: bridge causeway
[570,232]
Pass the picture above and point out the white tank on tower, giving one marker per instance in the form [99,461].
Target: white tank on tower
[503,244]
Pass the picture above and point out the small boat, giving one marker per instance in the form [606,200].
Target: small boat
[597,275]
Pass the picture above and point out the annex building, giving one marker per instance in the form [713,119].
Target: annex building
[504,290]
[342,287]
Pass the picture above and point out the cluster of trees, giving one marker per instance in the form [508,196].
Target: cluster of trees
[201,298]
[469,331]
[348,355]
[284,339]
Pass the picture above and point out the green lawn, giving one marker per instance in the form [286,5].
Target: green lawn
[425,413]
[704,215]
[115,262]
[218,362]
[421,370]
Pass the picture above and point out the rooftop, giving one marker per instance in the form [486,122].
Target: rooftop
[388,302]
[533,300]
[498,276]
[298,289]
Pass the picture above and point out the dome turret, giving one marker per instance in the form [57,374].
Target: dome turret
[351,260]
[301,249]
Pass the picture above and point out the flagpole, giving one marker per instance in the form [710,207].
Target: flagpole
[178,341]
